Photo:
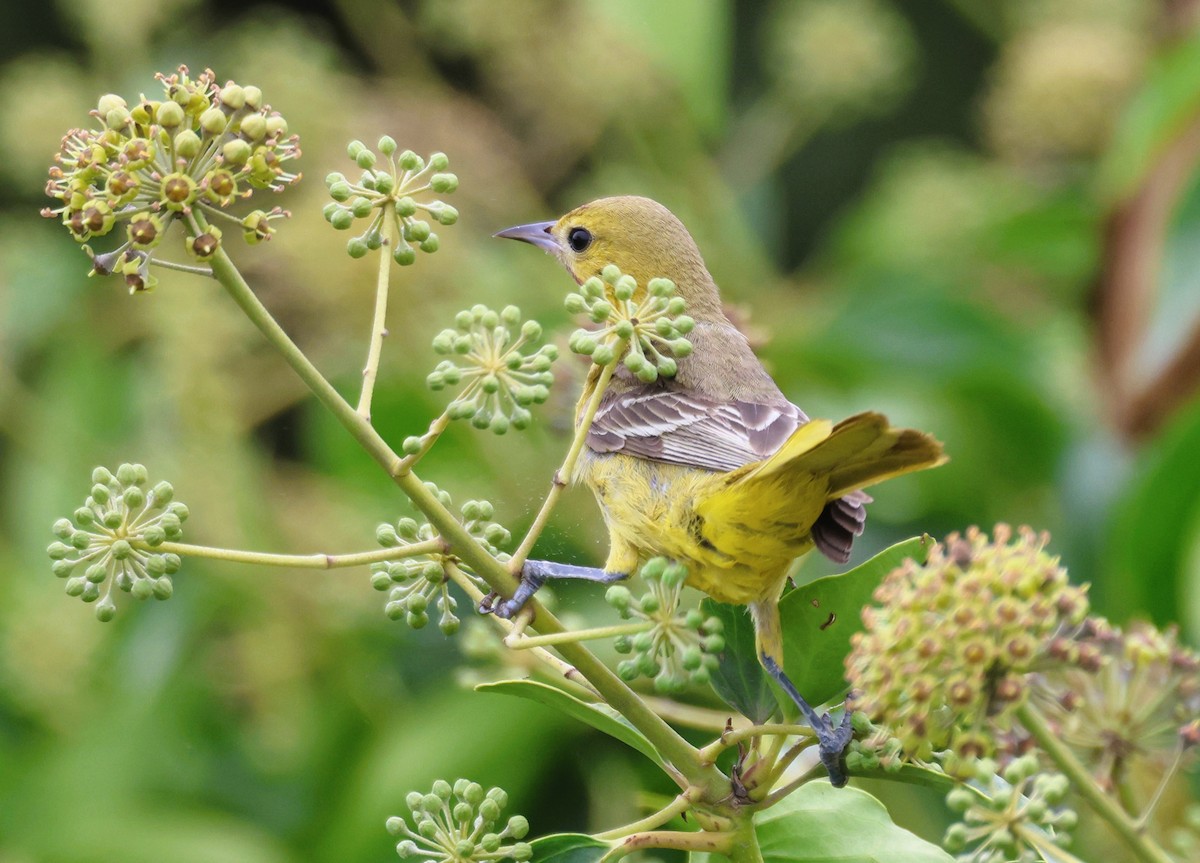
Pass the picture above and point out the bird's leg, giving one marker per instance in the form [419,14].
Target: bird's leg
[832,740]
[534,574]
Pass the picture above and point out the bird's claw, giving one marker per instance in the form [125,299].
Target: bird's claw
[831,744]
[532,578]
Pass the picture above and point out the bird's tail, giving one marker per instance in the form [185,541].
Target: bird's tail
[857,452]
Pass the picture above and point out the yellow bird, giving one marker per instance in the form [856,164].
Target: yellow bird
[713,468]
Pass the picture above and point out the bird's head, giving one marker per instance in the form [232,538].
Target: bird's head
[642,237]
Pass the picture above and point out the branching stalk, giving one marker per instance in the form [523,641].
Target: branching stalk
[300,561]
[676,752]
[676,807]
[1143,847]
[379,322]
[529,641]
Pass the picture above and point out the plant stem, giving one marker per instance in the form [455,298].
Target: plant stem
[563,475]
[745,848]
[1143,847]
[556,665]
[427,441]
[704,841]
[528,641]
[733,738]
[183,268]
[676,807]
[379,323]
[675,751]
[300,561]
[700,718]
[1050,852]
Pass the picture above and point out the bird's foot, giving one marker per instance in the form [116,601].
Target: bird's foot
[832,740]
[531,582]
[535,573]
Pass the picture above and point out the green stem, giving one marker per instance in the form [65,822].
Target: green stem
[1143,847]
[299,561]
[677,840]
[733,738]
[379,322]
[816,772]
[675,751]
[563,475]
[676,807]
[1050,852]
[527,641]
[183,268]
[427,441]
[744,848]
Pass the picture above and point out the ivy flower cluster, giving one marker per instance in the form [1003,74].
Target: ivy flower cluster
[459,824]
[197,150]
[109,542]
[945,657]
[1017,817]
[417,583]
[392,193]
[675,649]
[491,354]
[1132,695]
[648,324]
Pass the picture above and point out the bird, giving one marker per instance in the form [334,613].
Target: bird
[713,468]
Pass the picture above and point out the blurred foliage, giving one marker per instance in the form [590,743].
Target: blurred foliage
[908,203]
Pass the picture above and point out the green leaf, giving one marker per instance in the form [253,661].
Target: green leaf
[739,678]
[1154,526]
[819,618]
[600,717]
[567,848]
[822,823]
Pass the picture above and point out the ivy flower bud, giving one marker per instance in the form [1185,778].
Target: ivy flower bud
[113,539]
[501,376]
[644,329]
[676,648]
[419,576]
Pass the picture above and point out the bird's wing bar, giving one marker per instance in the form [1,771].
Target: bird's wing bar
[683,428]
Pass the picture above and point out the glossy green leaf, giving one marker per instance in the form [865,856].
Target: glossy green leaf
[567,848]
[600,717]
[739,678]
[822,823]
[819,618]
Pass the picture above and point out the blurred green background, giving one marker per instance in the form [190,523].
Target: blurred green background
[980,216]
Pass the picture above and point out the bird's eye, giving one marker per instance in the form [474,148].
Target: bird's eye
[579,239]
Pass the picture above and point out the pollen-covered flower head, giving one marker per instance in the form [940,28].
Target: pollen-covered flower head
[947,651]
[194,151]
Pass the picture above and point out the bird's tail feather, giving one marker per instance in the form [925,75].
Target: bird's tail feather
[857,452]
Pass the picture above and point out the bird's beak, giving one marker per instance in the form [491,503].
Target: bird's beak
[537,233]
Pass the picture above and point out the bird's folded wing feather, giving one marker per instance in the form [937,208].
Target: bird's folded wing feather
[684,428]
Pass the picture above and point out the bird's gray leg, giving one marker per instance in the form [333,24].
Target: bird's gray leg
[534,574]
[832,741]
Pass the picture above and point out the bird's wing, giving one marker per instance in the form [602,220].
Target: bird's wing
[684,428]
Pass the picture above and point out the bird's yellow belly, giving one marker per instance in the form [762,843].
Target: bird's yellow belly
[650,510]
